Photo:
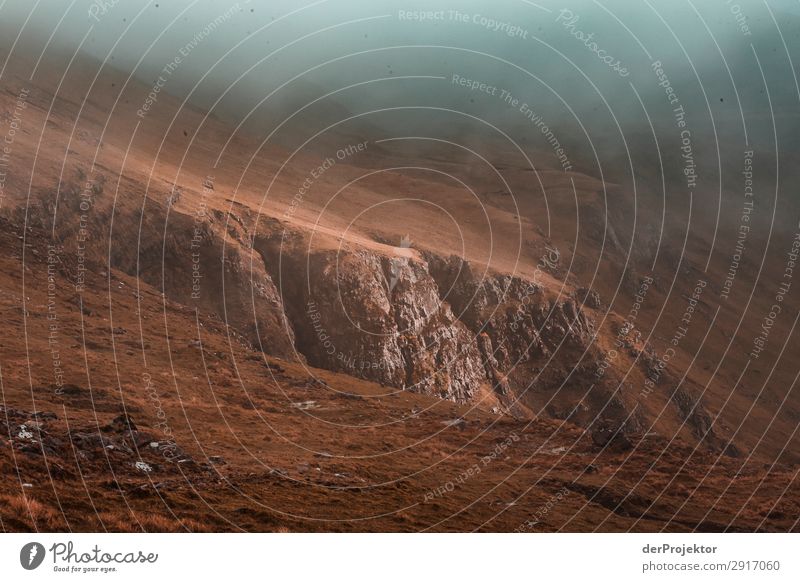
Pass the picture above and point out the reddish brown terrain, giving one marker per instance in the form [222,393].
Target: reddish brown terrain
[205,332]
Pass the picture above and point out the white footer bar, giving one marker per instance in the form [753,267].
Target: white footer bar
[401,557]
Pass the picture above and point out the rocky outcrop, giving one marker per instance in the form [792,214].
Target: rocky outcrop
[380,318]
[419,323]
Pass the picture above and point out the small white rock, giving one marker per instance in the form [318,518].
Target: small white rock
[24,433]
[143,467]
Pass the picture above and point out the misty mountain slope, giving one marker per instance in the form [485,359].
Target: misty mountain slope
[508,324]
[310,264]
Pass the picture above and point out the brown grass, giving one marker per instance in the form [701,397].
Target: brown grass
[23,512]
[132,522]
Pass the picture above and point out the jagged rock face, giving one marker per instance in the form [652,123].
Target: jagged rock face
[346,322]
[475,296]
[429,325]
[382,319]
[512,312]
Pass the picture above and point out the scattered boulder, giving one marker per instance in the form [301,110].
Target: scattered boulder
[121,424]
[611,437]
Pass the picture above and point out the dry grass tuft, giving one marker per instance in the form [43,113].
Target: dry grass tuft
[129,522]
[25,513]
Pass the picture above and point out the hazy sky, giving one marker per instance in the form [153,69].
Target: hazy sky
[605,69]
[290,37]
